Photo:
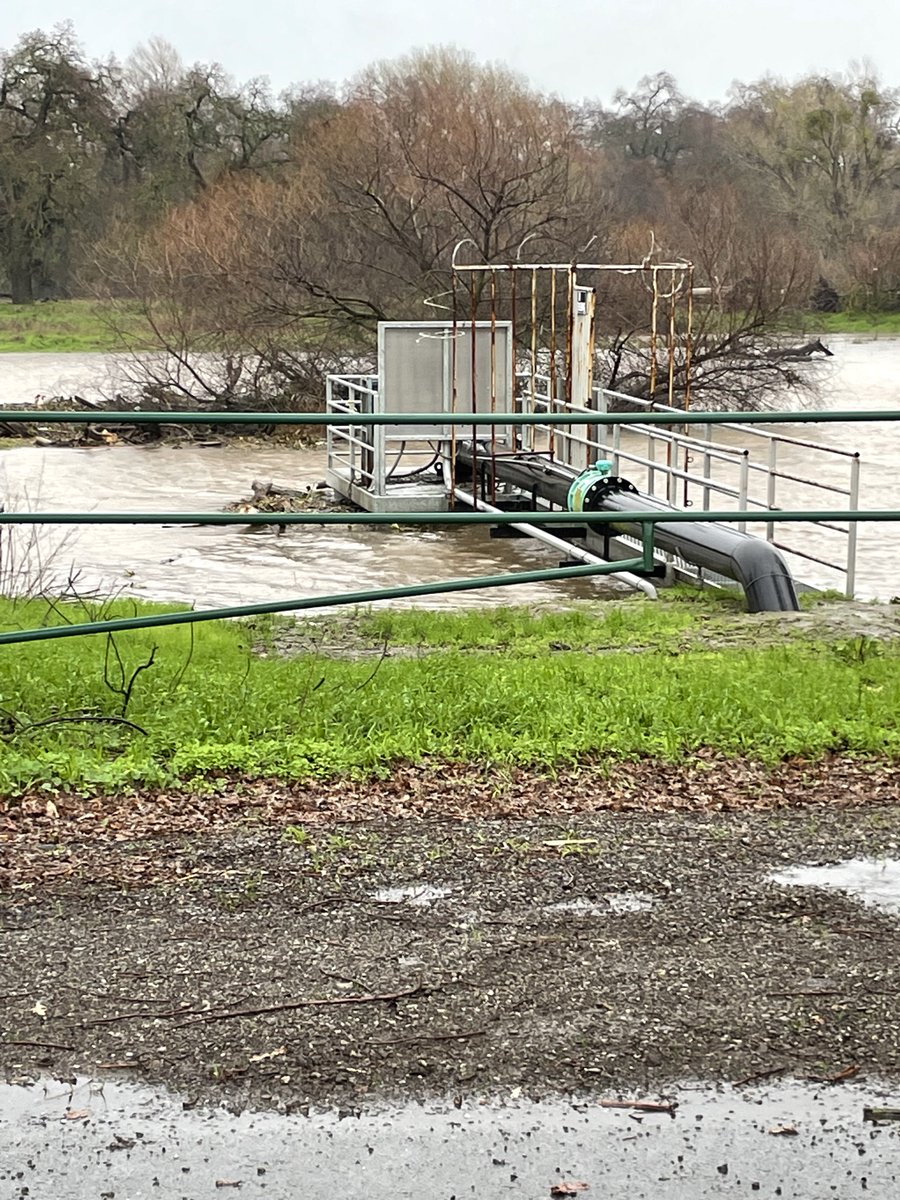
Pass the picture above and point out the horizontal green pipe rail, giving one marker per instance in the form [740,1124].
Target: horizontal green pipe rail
[121,624]
[556,517]
[587,417]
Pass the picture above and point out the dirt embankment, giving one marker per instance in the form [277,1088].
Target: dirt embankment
[452,931]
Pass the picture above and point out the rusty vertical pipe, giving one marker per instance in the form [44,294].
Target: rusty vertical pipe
[654,309]
[534,358]
[552,401]
[493,381]
[473,297]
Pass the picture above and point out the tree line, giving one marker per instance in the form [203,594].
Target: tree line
[245,218]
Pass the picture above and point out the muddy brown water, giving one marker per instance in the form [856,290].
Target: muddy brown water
[229,565]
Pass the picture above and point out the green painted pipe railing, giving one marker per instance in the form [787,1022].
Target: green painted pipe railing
[120,624]
[556,517]
[587,417]
[647,520]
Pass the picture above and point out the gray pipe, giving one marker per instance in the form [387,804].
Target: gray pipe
[558,543]
[758,567]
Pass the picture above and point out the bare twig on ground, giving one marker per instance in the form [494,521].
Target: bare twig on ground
[661,1106]
[757,1075]
[375,669]
[368,998]
[93,719]
[839,1077]
[805,992]
[199,1015]
[428,1037]
[37,1045]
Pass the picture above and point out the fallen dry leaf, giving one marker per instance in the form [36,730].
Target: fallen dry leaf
[783,1131]
[569,1187]
[39,1009]
[257,1058]
[77,1114]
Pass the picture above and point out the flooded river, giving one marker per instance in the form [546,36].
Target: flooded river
[213,565]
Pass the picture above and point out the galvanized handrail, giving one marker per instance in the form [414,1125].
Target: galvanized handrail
[585,417]
[193,616]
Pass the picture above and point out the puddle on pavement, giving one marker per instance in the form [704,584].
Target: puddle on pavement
[612,902]
[874,881]
[422,894]
[108,1137]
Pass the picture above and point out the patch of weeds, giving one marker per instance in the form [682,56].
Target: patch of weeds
[242,893]
[810,600]
[858,650]
[336,853]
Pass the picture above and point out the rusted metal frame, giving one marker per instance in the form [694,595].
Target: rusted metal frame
[689,339]
[534,363]
[551,408]
[493,381]
[591,430]
[454,382]
[570,335]
[654,316]
[473,308]
[620,268]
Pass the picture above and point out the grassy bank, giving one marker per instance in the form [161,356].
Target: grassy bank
[86,325]
[63,326]
[886,324]
[508,688]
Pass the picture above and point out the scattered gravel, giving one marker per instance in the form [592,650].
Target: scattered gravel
[251,953]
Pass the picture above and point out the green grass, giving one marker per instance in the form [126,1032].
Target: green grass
[887,323]
[215,709]
[63,326]
[631,624]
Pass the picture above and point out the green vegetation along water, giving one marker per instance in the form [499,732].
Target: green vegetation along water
[64,326]
[162,707]
[85,326]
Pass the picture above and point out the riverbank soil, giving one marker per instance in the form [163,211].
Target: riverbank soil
[452,931]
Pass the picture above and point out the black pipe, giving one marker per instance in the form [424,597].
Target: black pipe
[757,566]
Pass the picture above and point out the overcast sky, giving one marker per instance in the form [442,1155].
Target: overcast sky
[576,49]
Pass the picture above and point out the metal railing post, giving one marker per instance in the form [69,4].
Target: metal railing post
[743,488]
[770,486]
[329,437]
[850,583]
[671,468]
